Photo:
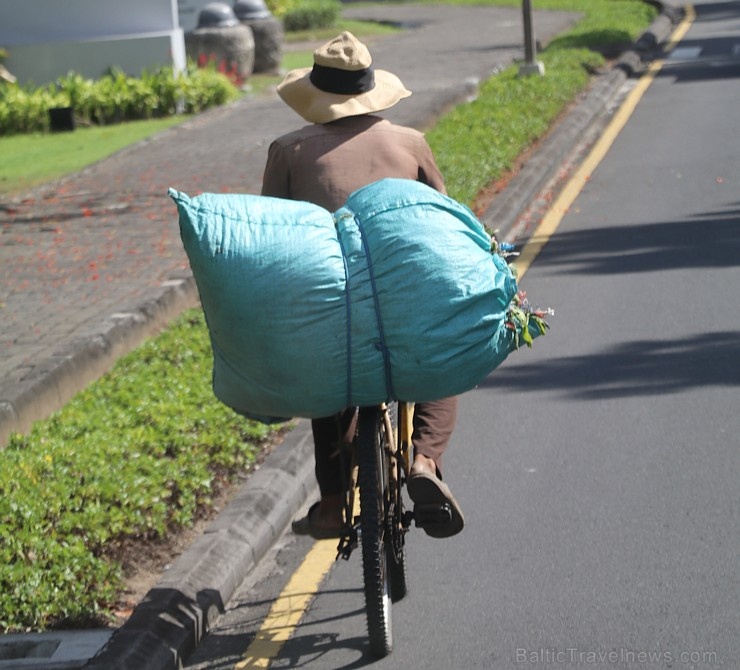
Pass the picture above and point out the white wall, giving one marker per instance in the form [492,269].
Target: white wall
[39,64]
[47,38]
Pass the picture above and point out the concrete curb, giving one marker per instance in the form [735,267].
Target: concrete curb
[173,617]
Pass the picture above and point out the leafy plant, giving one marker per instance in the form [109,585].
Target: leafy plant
[312,14]
[114,98]
[137,454]
[281,7]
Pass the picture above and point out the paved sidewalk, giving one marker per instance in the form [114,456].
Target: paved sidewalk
[93,264]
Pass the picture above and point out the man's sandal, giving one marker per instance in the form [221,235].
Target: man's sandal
[435,509]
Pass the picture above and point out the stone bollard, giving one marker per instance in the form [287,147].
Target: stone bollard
[220,38]
[268,34]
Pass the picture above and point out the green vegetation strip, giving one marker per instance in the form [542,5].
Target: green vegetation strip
[136,455]
[140,452]
[479,142]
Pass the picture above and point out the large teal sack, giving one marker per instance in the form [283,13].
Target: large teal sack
[397,295]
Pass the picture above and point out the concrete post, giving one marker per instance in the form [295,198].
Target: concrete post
[531,65]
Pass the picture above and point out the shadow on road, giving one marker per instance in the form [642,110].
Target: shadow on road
[706,240]
[646,366]
[638,368]
[708,58]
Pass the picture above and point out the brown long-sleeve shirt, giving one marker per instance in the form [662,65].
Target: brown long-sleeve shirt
[325,163]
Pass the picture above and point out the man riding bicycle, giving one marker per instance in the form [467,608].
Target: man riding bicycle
[347,147]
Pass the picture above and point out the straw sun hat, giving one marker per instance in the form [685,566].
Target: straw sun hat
[342,82]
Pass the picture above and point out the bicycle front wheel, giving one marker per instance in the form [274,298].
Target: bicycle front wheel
[373,484]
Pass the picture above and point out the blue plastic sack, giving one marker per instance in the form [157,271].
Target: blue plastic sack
[397,295]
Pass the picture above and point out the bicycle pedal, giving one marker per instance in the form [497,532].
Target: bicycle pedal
[432,515]
[347,544]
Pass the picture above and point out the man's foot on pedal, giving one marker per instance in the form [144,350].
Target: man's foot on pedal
[435,508]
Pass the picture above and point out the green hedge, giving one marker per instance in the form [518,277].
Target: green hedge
[114,98]
[312,14]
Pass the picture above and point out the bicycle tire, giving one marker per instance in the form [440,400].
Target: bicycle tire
[372,478]
[394,524]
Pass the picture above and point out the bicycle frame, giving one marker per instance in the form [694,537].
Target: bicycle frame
[399,448]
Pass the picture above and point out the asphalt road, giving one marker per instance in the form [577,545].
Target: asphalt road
[598,471]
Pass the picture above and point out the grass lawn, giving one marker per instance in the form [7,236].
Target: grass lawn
[132,459]
[32,159]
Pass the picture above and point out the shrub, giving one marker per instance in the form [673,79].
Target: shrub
[114,98]
[25,111]
[282,7]
[312,14]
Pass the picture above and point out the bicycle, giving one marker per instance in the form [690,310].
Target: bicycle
[380,464]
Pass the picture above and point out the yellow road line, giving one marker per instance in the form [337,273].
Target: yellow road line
[562,204]
[290,606]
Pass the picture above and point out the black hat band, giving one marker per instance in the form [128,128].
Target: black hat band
[343,82]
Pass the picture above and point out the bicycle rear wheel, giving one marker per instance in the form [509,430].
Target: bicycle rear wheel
[373,483]
[394,521]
